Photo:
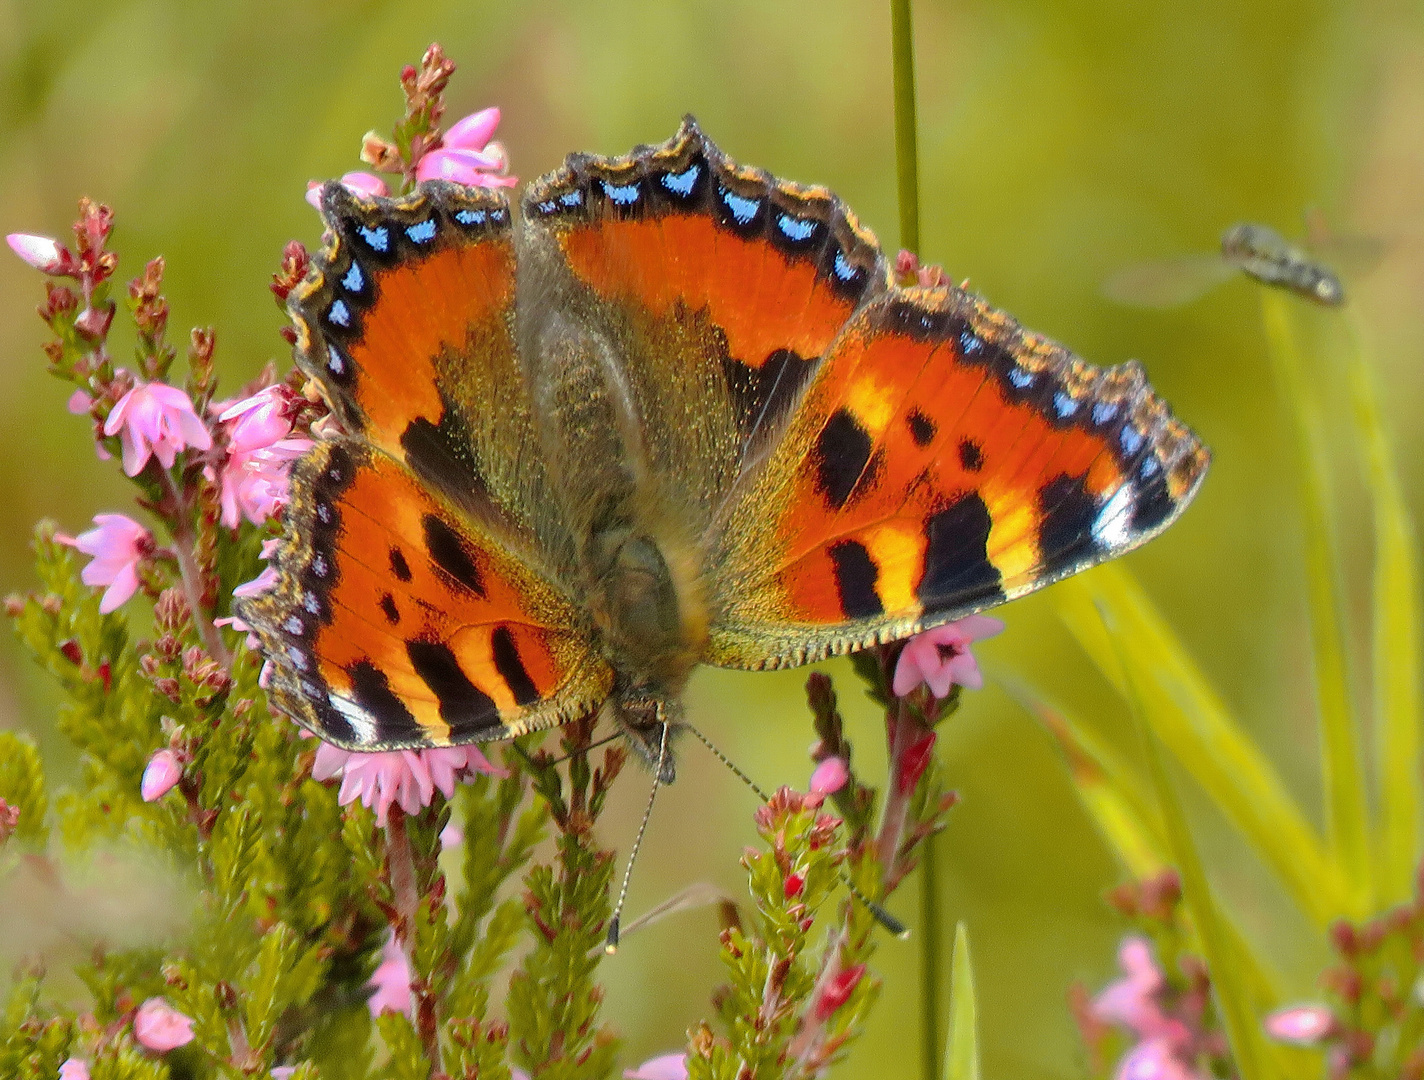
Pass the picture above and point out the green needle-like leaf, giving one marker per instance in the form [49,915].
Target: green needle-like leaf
[1342,776]
[961,1055]
[1396,648]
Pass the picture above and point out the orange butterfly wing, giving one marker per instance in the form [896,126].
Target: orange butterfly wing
[943,461]
[414,606]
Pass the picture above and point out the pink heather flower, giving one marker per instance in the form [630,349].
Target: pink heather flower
[359,183]
[1131,1002]
[259,455]
[282,1072]
[1301,1025]
[467,156]
[391,980]
[837,992]
[74,1069]
[155,419]
[80,402]
[829,776]
[159,1026]
[118,545]
[474,131]
[663,1067]
[1166,1047]
[940,657]
[452,836]
[261,583]
[160,775]
[408,778]
[1156,1059]
[44,253]
[234,623]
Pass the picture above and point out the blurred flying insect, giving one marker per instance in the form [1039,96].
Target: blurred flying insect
[1256,250]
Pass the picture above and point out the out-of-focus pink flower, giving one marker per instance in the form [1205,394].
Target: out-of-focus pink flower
[234,623]
[155,419]
[1167,1047]
[258,585]
[1132,1000]
[391,981]
[118,545]
[663,1067]
[829,776]
[837,992]
[282,1072]
[159,1026]
[74,1069]
[44,253]
[940,657]
[467,156]
[452,836]
[1156,1059]
[160,775]
[1301,1025]
[259,455]
[80,402]
[361,183]
[407,778]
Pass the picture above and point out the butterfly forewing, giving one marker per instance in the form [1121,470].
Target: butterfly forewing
[942,462]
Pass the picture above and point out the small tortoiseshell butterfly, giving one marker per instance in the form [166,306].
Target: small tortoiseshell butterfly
[677,412]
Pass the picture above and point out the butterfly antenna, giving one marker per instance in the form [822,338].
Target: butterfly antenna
[883,917]
[612,945]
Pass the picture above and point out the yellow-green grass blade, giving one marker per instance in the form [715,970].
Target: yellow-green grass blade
[1110,791]
[1248,1046]
[1125,813]
[1342,774]
[1195,725]
[961,1052]
[1395,646]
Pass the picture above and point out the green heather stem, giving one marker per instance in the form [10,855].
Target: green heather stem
[907,168]
[907,156]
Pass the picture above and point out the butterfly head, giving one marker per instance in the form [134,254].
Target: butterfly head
[650,721]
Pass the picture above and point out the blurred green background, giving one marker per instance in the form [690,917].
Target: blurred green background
[1060,140]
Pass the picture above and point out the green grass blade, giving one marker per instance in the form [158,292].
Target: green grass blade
[1228,987]
[1395,646]
[1194,724]
[961,1053]
[1342,774]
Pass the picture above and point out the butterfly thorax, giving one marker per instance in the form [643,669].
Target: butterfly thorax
[651,630]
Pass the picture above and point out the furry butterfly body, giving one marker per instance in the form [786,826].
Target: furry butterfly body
[678,412]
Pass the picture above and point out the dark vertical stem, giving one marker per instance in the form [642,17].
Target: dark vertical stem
[907,167]
[907,154]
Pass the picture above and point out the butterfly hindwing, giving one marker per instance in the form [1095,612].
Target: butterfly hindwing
[943,461]
[398,623]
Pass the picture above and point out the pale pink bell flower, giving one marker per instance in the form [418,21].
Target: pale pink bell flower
[940,657]
[117,545]
[467,156]
[829,776]
[359,183]
[159,1026]
[407,778]
[390,981]
[74,1069]
[44,253]
[160,775]
[155,419]
[663,1067]
[259,456]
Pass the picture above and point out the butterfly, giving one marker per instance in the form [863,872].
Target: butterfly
[674,412]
